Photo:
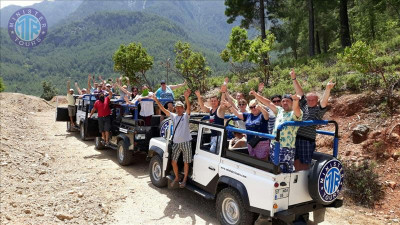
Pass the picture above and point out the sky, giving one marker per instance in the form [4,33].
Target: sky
[20,3]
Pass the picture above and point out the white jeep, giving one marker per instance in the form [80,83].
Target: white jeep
[244,186]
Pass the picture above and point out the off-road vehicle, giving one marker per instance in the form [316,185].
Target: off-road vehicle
[245,187]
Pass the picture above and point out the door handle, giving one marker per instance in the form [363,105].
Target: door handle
[211,168]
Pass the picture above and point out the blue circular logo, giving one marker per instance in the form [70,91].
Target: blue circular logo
[164,128]
[330,180]
[27,27]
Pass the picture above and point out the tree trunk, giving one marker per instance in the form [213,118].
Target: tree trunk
[263,37]
[372,23]
[344,24]
[317,42]
[325,44]
[311,40]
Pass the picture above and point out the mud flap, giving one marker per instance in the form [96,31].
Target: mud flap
[62,114]
[92,128]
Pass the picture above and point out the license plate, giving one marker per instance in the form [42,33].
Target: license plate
[281,193]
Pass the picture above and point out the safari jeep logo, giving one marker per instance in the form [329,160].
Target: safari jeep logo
[27,27]
[330,181]
[164,128]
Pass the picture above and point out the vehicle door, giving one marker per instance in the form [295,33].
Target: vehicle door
[208,155]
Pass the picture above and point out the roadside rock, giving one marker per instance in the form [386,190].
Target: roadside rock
[64,216]
[360,133]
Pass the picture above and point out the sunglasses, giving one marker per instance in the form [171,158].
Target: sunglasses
[162,83]
[276,101]
[252,107]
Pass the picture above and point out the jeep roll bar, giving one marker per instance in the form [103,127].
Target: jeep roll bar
[290,123]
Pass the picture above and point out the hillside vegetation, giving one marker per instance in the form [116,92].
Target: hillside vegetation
[78,48]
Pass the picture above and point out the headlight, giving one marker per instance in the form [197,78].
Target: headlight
[140,136]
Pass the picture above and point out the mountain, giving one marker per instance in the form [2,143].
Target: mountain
[77,48]
[54,11]
[204,21]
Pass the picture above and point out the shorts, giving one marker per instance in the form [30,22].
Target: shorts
[71,110]
[304,150]
[261,151]
[166,107]
[104,123]
[185,148]
[286,158]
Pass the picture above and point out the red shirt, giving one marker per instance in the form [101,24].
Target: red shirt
[103,108]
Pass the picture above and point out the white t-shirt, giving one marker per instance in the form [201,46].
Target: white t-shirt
[147,107]
[182,132]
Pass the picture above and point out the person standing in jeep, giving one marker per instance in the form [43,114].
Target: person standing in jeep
[181,136]
[71,103]
[102,106]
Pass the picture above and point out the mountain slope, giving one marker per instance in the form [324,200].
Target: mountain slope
[78,48]
[54,11]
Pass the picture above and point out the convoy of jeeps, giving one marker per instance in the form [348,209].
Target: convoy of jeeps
[245,189]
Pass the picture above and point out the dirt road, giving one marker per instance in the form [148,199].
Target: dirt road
[50,176]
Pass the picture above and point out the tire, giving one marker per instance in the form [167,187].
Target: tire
[68,126]
[231,210]
[124,156]
[82,131]
[155,169]
[97,144]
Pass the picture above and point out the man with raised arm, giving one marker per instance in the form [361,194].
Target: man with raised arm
[81,92]
[305,139]
[290,111]
[166,93]
[71,103]
[102,106]
[181,136]
[217,115]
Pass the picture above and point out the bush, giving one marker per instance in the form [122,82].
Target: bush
[362,184]
[1,85]
[49,91]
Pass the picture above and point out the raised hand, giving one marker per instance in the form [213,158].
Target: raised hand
[292,74]
[226,80]
[295,97]
[330,85]
[187,93]
[226,103]
[197,92]
[224,88]
[252,92]
[261,87]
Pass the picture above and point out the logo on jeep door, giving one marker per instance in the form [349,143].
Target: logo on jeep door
[330,180]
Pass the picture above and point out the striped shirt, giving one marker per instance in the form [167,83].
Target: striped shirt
[310,113]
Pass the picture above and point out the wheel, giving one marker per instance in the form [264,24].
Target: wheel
[82,131]
[230,208]
[123,154]
[155,169]
[98,144]
[68,126]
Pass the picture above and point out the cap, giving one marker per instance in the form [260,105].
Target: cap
[84,89]
[287,96]
[162,82]
[179,103]
[71,89]
[108,85]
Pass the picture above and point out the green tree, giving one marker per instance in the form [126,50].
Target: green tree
[133,61]
[192,66]
[49,91]
[240,49]
[362,58]
[1,85]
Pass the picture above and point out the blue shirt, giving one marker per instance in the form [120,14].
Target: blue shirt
[255,123]
[167,94]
